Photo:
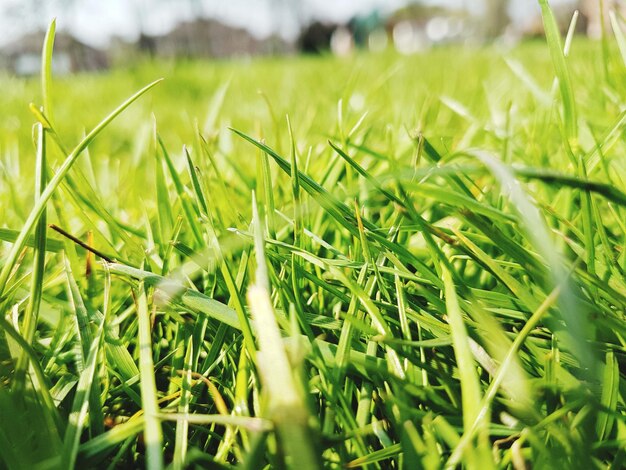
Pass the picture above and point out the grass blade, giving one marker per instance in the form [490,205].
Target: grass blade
[499,377]
[619,36]
[81,403]
[46,70]
[553,38]
[54,183]
[152,432]
[286,408]
[34,301]
[467,368]
[577,336]
[182,425]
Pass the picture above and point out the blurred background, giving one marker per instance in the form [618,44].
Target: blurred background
[93,35]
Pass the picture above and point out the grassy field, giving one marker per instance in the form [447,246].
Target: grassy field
[380,262]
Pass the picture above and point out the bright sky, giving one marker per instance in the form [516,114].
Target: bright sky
[95,21]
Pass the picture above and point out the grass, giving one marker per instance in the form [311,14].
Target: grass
[420,266]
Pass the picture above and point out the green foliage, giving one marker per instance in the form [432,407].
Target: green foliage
[422,267]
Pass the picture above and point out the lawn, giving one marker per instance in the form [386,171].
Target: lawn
[380,261]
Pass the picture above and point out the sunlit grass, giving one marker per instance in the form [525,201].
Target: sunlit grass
[422,266]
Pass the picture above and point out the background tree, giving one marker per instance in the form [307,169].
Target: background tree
[496,18]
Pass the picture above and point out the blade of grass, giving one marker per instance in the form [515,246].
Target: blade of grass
[84,319]
[52,245]
[573,312]
[32,309]
[165,218]
[295,189]
[470,384]
[605,190]
[41,382]
[182,425]
[250,423]
[619,36]
[490,394]
[188,209]
[375,457]
[46,70]
[235,296]
[54,183]
[609,397]
[340,212]
[31,314]
[286,407]
[81,403]
[553,38]
[152,433]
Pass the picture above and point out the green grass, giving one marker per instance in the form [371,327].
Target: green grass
[380,262]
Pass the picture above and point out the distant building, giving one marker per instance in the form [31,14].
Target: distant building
[210,38]
[409,29]
[23,57]
[533,26]
[590,11]
[316,37]
[417,26]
